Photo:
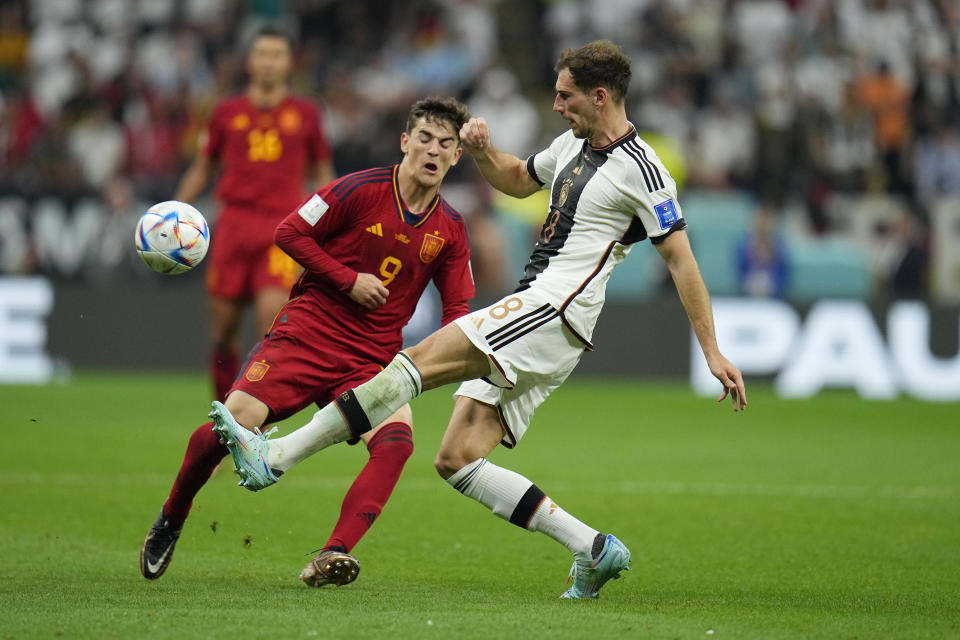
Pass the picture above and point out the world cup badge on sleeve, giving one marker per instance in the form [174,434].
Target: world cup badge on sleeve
[431,247]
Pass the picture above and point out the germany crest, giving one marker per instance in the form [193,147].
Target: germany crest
[430,248]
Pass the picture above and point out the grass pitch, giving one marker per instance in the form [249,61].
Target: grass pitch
[828,518]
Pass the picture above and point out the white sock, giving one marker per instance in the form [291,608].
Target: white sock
[376,400]
[512,497]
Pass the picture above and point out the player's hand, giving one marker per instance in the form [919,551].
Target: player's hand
[475,135]
[368,291]
[732,381]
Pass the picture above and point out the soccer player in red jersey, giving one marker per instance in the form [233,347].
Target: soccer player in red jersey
[266,141]
[370,243]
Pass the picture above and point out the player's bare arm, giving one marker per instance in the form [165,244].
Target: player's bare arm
[368,291]
[504,171]
[675,251]
[195,179]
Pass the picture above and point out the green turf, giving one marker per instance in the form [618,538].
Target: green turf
[827,518]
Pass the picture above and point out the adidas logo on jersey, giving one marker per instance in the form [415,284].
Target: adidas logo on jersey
[376,229]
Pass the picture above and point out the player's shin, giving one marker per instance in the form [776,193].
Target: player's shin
[351,415]
[513,497]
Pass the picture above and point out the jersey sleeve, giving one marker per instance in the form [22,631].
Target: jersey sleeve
[543,165]
[302,234]
[658,209]
[454,281]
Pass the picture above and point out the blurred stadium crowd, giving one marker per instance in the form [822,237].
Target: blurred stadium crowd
[817,142]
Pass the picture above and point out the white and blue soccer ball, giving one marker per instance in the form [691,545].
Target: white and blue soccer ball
[172,237]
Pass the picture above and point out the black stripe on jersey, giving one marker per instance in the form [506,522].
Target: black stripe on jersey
[679,225]
[653,166]
[351,181]
[568,185]
[516,335]
[635,232]
[449,211]
[643,170]
[493,334]
[359,183]
[650,173]
[530,322]
[532,171]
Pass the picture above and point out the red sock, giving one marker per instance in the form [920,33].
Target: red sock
[204,452]
[389,449]
[224,367]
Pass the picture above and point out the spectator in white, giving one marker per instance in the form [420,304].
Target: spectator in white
[98,145]
[509,112]
[937,163]
[722,145]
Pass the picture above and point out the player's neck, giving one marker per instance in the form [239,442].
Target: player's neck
[266,96]
[416,196]
[610,129]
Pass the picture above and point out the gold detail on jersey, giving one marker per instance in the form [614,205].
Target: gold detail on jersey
[376,229]
[578,170]
[256,371]
[431,247]
[264,146]
[240,122]
[280,265]
[553,507]
[500,311]
[564,191]
[477,321]
[402,238]
[389,269]
[289,120]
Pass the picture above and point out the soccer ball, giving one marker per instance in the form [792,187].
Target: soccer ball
[172,237]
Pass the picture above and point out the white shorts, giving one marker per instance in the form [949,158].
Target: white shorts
[529,348]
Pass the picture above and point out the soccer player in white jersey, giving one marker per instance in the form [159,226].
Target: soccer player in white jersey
[608,190]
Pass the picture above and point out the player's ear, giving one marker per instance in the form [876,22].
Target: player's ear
[456,156]
[404,142]
[600,96]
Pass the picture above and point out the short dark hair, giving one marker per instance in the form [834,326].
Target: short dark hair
[598,64]
[272,31]
[438,108]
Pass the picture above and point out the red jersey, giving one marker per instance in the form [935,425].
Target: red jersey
[264,153]
[360,224]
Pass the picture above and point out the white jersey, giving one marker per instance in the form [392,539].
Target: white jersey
[602,201]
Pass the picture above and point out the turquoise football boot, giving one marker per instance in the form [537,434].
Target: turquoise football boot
[248,448]
[589,577]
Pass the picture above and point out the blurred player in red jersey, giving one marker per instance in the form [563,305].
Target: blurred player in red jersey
[370,242]
[266,142]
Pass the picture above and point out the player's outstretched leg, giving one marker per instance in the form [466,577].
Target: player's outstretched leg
[249,449]
[157,550]
[589,576]
[331,567]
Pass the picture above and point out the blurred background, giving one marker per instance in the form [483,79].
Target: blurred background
[816,144]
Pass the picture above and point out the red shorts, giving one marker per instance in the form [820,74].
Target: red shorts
[298,364]
[243,259]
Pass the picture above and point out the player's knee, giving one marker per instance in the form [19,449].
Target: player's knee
[448,462]
[246,409]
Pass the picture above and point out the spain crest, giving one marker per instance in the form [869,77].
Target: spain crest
[430,248]
[256,371]
[290,120]
[240,122]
